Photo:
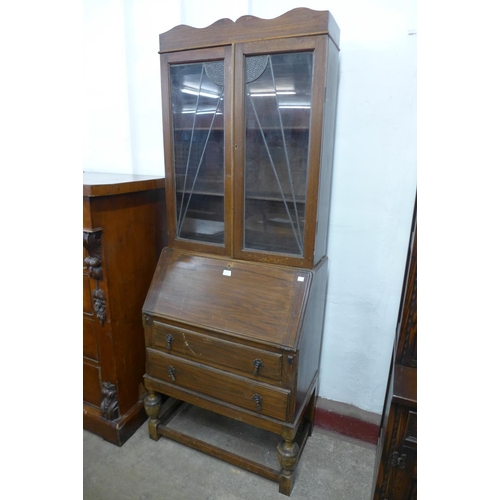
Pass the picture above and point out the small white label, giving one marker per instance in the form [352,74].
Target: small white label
[226,272]
[300,278]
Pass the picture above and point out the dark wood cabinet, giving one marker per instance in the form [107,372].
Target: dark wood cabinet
[233,319]
[123,234]
[396,462]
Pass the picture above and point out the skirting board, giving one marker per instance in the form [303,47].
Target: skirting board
[347,420]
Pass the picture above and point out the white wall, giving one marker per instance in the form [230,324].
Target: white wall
[375,161]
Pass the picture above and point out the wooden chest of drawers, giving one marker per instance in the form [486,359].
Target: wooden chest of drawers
[237,338]
[123,233]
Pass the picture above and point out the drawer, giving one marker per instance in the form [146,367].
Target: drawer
[219,353]
[216,384]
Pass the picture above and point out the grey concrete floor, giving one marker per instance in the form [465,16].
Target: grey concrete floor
[332,466]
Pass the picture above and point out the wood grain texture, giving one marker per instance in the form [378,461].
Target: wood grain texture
[297,22]
[233,357]
[311,336]
[327,152]
[234,353]
[258,302]
[219,385]
[125,250]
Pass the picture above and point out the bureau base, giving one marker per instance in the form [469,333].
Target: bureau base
[234,442]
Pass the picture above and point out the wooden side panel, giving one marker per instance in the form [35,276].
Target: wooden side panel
[312,334]
[89,338]
[327,150]
[87,295]
[87,215]
[91,384]
[129,254]
[407,329]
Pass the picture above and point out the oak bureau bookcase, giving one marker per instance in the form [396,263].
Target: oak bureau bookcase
[233,318]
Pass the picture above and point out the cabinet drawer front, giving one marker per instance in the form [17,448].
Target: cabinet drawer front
[254,396]
[239,359]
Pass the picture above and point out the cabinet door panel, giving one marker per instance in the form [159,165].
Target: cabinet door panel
[195,121]
[197,113]
[277,119]
[280,89]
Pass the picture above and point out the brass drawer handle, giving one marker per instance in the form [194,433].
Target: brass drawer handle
[171,372]
[258,401]
[169,339]
[257,363]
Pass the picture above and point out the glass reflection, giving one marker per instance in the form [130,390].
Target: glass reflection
[198,133]
[277,117]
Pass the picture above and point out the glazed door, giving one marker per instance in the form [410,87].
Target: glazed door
[196,87]
[279,91]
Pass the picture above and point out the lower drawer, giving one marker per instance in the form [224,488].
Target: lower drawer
[206,381]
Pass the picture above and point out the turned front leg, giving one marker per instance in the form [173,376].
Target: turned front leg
[288,452]
[152,405]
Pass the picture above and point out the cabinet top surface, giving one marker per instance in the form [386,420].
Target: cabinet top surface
[106,184]
[260,302]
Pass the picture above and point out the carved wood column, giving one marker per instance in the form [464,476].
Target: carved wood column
[92,243]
